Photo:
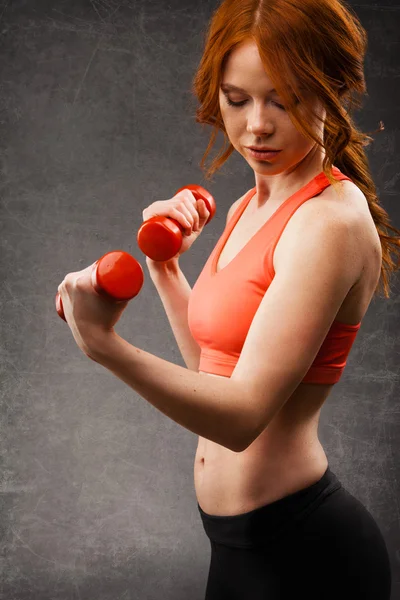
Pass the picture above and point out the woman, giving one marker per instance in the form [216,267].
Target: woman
[268,326]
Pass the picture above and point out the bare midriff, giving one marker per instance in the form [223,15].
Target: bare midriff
[285,458]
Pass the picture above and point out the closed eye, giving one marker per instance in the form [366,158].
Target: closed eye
[243,102]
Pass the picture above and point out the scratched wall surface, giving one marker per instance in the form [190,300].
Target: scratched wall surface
[97,122]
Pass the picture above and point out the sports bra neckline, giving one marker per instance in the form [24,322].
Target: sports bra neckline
[240,210]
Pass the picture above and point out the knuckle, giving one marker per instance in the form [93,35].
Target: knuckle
[188,196]
[69,281]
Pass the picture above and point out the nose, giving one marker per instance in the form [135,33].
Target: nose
[259,123]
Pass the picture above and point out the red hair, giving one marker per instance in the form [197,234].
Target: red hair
[320,44]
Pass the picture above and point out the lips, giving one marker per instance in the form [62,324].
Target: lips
[261,149]
[264,155]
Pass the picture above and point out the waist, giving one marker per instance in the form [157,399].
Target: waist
[229,483]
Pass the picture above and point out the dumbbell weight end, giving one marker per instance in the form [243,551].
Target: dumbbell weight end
[117,276]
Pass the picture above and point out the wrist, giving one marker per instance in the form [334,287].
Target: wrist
[169,267]
[99,344]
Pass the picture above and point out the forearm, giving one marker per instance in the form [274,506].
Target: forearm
[211,407]
[174,291]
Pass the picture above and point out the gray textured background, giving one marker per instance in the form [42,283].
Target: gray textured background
[97,122]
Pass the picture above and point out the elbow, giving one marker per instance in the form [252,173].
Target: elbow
[238,443]
[250,436]
[246,434]
[243,441]
[237,449]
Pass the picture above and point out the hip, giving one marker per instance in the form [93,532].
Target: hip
[319,542]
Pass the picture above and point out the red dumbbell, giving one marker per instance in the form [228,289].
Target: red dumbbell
[160,238]
[116,275]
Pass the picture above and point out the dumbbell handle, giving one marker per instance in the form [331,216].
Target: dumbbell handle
[160,238]
[116,276]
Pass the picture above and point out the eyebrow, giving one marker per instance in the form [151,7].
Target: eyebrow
[235,88]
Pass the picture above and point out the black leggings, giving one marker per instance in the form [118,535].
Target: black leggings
[319,543]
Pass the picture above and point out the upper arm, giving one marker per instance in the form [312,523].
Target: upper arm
[317,268]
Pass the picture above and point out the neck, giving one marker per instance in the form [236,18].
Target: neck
[275,189]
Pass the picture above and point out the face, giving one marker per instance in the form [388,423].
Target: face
[259,117]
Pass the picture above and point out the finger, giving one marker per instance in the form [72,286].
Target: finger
[85,276]
[182,217]
[194,208]
[189,224]
[70,281]
[189,208]
[192,216]
[203,210]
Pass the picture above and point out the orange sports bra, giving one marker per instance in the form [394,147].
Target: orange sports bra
[222,304]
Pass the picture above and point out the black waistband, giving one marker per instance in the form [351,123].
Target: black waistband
[271,521]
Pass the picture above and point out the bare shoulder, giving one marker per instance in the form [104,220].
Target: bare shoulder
[347,207]
[354,206]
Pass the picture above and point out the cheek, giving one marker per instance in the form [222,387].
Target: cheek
[233,127]
[223,115]
[227,123]
[223,111]
[234,121]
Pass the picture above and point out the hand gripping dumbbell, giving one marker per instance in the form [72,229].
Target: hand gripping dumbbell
[116,276]
[160,238]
